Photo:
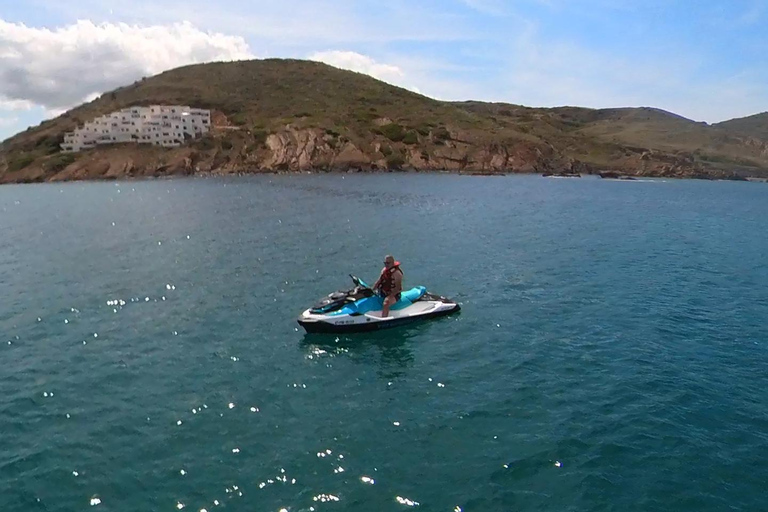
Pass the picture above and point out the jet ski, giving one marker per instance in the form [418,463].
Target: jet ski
[359,310]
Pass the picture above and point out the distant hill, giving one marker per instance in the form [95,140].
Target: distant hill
[752,126]
[289,115]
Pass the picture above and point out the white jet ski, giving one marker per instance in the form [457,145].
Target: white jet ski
[359,310]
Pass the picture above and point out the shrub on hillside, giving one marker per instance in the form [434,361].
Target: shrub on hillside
[260,136]
[442,133]
[49,144]
[60,161]
[395,160]
[20,162]
[411,138]
[423,130]
[238,119]
[205,143]
[393,132]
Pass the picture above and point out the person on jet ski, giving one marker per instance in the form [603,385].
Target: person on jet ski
[389,284]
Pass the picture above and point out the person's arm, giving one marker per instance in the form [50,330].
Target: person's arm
[377,283]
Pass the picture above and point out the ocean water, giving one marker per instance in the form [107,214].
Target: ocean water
[611,352]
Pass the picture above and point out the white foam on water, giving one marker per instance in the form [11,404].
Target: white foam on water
[406,501]
[324,498]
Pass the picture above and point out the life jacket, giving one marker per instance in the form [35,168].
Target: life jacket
[387,282]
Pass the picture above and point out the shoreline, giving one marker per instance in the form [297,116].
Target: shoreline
[209,174]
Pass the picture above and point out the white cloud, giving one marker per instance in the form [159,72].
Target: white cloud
[58,68]
[301,25]
[354,61]
[16,104]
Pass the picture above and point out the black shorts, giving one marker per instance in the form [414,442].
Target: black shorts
[397,295]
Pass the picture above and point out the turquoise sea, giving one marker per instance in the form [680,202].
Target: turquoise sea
[611,352]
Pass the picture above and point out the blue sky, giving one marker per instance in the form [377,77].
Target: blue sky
[706,60]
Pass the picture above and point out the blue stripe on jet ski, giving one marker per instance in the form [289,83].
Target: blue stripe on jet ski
[376,303]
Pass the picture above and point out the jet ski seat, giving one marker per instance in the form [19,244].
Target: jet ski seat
[408,297]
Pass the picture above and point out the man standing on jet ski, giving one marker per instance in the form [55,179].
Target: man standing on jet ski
[389,284]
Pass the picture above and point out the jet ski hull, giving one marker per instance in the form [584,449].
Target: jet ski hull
[365,316]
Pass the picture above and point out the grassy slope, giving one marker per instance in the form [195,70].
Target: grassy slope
[600,136]
[752,126]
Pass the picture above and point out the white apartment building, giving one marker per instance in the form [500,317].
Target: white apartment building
[159,125]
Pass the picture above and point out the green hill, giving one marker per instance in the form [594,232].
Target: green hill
[751,126]
[301,115]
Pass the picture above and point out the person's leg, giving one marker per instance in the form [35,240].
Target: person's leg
[388,301]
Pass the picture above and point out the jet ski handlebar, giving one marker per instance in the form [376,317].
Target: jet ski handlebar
[359,282]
